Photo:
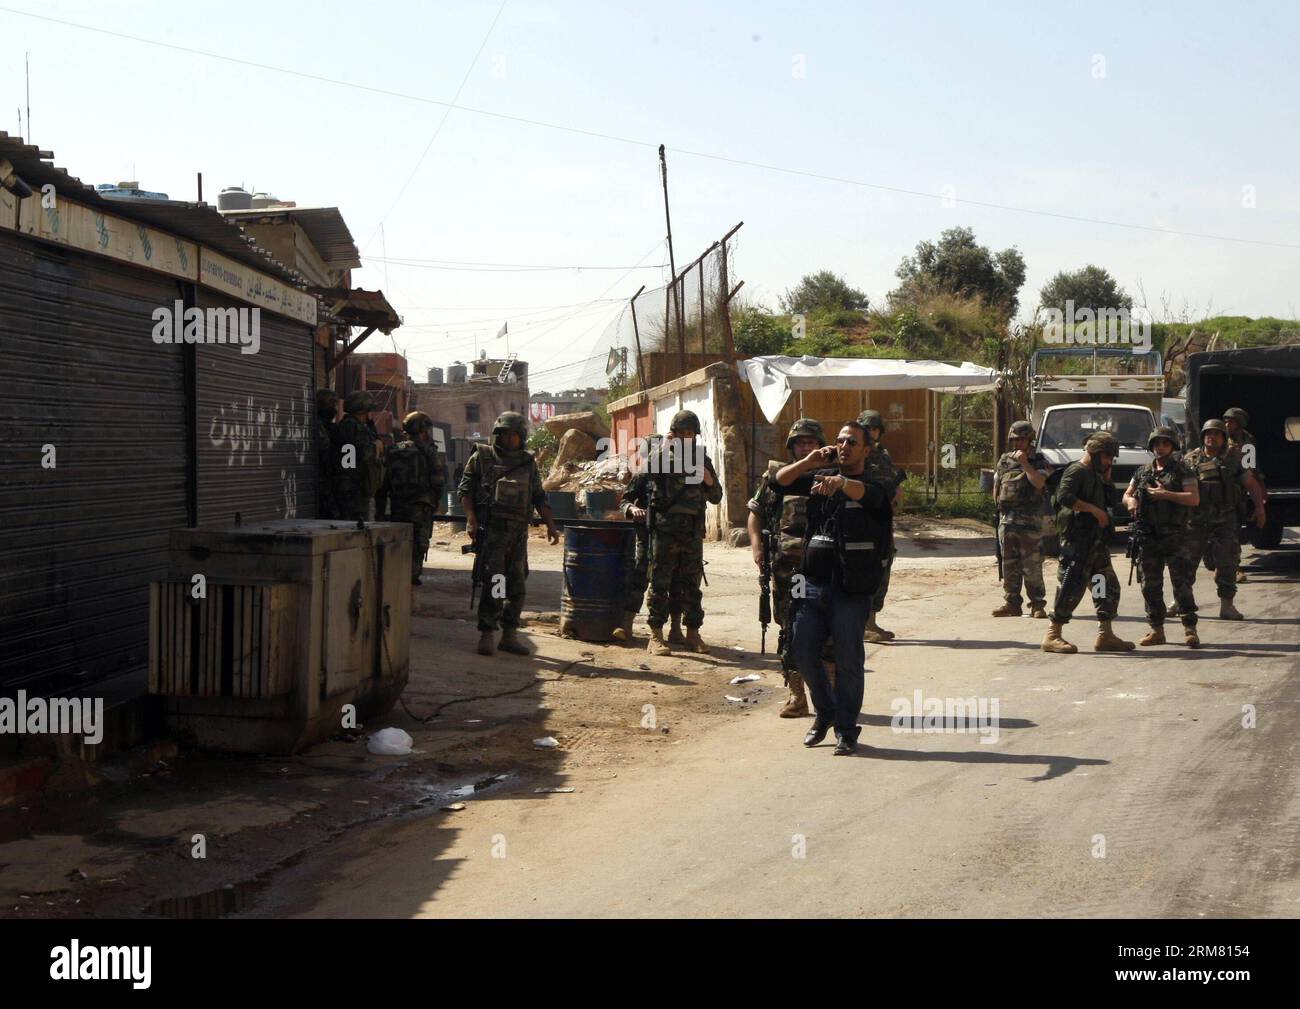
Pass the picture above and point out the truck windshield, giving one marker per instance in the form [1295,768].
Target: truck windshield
[1070,428]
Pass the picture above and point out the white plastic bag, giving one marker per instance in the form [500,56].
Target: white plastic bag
[390,743]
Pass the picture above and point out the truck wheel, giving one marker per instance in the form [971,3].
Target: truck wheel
[1268,538]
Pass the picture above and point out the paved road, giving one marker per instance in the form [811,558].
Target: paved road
[1117,786]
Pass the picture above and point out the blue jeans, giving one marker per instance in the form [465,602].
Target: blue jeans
[825,612]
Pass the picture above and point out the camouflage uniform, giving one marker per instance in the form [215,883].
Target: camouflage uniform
[356,485]
[414,482]
[786,516]
[327,453]
[638,577]
[1080,483]
[505,488]
[677,532]
[1020,529]
[1216,529]
[1168,543]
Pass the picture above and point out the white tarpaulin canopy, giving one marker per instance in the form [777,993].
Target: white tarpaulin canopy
[774,378]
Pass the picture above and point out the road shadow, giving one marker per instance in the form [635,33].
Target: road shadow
[1057,765]
[920,723]
[962,643]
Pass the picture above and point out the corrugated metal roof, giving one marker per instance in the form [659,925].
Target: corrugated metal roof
[199,222]
[324,226]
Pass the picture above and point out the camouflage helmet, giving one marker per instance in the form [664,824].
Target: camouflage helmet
[685,420]
[1165,432]
[1101,441]
[1022,429]
[1214,425]
[326,399]
[805,427]
[358,402]
[872,418]
[415,422]
[511,421]
[1238,414]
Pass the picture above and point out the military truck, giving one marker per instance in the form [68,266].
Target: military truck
[1265,382]
[1078,391]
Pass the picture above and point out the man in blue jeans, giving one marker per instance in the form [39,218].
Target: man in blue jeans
[849,521]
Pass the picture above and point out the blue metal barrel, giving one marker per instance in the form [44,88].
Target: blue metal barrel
[563,504]
[597,559]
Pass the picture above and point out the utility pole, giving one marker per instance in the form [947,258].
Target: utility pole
[672,265]
[27,64]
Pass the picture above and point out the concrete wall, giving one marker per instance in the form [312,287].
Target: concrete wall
[447,403]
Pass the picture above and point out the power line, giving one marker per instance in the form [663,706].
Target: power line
[429,264]
[441,123]
[596,134]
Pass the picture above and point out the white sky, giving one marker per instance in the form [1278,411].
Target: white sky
[1002,102]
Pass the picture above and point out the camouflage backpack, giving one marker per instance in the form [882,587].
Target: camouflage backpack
[408,479]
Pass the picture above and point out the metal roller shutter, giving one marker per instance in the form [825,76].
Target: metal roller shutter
[80,542]
[256,427]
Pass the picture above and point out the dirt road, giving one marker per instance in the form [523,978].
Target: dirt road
[1163,782]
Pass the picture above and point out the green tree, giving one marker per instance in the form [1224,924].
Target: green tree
[757,332]
[1089,287]
[959,265]
[822,290]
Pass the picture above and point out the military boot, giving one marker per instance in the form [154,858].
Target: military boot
[657,645]
[694,642]
[623,632]
[796,705]
[875,633]
[1109,641]
[1008,609]
[1155,636]
[675,632]
[512,643]
[487,643]
[1191,638]
[1038,613]
[1054,642]
[1228,611]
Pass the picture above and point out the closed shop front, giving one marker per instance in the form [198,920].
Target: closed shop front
[256,424]
[93,450]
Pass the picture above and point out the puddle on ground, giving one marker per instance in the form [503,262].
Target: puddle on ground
[218,903]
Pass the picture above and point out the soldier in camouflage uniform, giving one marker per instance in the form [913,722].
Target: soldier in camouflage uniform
[1216,528]
[359,471]
[327,453]
[682,483]
[499,490]
[1082,515]
[1160,497]
[881,469]
[786,517]
[634,502]
[415,479]
[1018,484]
[1237,421]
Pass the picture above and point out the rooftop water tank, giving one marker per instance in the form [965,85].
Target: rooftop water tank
[457,372]
[435,376]
[234,198]
[261,200]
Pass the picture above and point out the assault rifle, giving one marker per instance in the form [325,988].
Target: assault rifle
[765,587]
[997,546]
[1139,531]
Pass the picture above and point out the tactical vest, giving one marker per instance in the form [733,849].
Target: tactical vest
[410,473]
[847,543]
[790,518]
[1164,515]
[506,480]
[367,472]
[678,502]
[1216,475]
[1015,492]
